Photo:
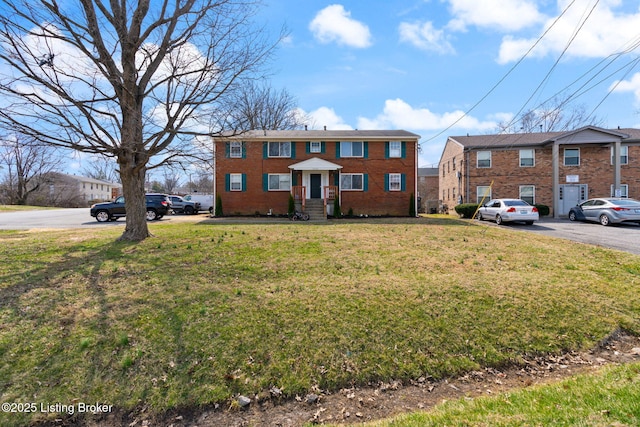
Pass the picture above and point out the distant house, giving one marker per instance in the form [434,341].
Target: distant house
[428,195]
[370,172]
[557,169]
[65,190]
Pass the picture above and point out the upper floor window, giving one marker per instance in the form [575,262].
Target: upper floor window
[527,158]
[279,149]
[484,159]
[315,147]
[351,149]
[235,149]
[572,157]
[395,149]
[624,155]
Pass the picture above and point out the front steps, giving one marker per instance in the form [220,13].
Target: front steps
[315,209]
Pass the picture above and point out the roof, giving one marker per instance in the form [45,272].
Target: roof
[323,135]
[315,164]
[428,171]
[81,178]
[541,138]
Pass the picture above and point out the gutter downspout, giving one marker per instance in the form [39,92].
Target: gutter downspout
[415,184]
[555,156]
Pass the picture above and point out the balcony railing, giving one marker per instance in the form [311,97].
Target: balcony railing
[299,193]
[330,193]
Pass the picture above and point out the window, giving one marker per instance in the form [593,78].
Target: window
[454,163]
[315,147]
[279,149]
[484,159]
[624,191]
[624,155]
[351,149]
[352,181]
[528,193]
[395,149]
[235,182]
[279,182]
[527,158]
[235,149]
[572,157]
[483,192]
[395,182]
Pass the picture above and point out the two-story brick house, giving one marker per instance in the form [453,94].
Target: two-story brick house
[369,172]
[557,169]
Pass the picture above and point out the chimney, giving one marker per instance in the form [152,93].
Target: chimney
[305,127]
[325,127]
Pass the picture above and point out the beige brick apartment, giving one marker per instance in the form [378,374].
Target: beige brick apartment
[557,169]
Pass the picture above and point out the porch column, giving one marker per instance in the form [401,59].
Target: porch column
[555,156]
[616,168]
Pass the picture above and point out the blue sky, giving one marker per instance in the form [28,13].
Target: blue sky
[419,65]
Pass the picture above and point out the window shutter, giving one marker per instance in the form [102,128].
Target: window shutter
[244,150]
[265,150]
[293,150]
[403,182]
[336,179]
[265,182]
[386,182]
[404,150]
[294,179]
[323,147]
[227,149]
[307,148]
[386,150]
[365,149]
[244,182]
[338,150]
[365,182]
[227,182]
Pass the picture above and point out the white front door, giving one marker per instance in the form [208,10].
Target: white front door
[312,179]
[571,195]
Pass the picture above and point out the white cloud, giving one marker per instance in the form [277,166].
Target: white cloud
[325,116]
[398,114]
[604,33]
[501,15]
[334,24]
[632,85]
[424,36]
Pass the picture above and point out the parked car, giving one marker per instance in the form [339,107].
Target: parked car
[508,210]
[180,205]
[606,211]
[158,205]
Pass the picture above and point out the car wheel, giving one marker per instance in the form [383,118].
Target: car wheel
[103,216]
[604,219]
[479,217]
[498,219]
[572,216]
[528,222]
[188,210]
[210,211]
[151,215]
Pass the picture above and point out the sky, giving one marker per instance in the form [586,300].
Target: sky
[441,68]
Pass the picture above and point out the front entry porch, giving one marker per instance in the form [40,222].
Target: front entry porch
[311,185]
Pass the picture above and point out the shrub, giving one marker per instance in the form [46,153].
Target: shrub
[292,205]
[218,206]
[543,210]
[412,206]
[466,210]
[336,208]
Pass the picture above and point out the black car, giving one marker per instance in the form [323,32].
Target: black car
[158,205]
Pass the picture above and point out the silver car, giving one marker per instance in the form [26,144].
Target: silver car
[607,211]
[507,210]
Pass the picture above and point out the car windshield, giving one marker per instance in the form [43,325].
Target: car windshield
[516,203]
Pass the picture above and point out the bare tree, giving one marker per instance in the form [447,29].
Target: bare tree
[259,106]
[135,81]
[103,168]
[170,180]
[26,164]
[554,115]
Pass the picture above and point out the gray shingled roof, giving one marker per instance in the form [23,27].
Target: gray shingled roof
[328,135]
[530,139]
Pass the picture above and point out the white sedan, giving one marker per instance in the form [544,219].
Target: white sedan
[507,210]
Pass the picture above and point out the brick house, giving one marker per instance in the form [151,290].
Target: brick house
[370,172]
[428,190]
[557,169]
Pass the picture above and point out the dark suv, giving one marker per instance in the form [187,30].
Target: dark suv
[158,205]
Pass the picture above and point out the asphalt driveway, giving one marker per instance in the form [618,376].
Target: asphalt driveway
[623,237]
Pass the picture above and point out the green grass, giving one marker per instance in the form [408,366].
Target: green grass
[18,208]
[203,312]
[608,398]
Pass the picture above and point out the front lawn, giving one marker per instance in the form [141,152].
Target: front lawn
[202,313]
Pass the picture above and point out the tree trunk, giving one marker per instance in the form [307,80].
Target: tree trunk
[132,174]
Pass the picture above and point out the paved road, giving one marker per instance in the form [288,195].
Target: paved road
[623,237]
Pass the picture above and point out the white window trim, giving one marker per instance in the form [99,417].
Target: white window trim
[342,150]
[344,175]
[480,194]
[395,179]
[280,181]
[564,157]
[624,153]
[235,179]
[624,193]
[533,187]
[235,149]
[395,149]
[279,149]
[317,148]
[533,157]
[478,159]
